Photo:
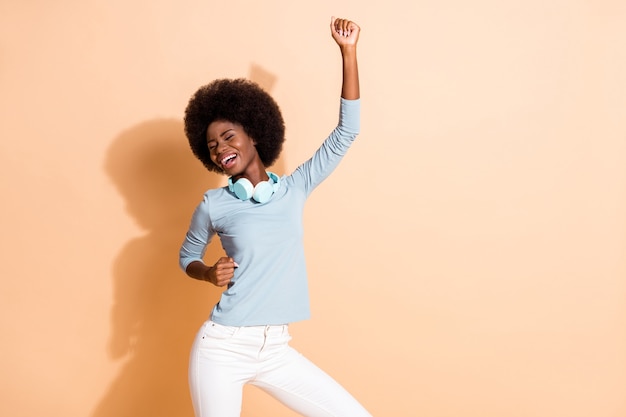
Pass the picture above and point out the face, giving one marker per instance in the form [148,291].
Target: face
[230,147]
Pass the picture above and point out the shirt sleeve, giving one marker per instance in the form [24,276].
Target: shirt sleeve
[311,173]
[198,236]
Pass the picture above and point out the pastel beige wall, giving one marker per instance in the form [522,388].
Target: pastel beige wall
[468,258]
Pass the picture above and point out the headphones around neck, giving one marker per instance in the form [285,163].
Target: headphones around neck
[261,193]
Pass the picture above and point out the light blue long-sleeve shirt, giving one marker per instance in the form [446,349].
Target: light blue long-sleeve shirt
[266,240]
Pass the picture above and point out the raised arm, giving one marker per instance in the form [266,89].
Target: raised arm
[346,34]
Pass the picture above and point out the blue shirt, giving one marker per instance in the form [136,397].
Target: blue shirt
[266,240]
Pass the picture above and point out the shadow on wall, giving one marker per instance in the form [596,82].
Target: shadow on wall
[156,309]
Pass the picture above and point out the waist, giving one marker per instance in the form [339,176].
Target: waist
[262,330]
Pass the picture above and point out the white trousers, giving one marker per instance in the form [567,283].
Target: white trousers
[224,358]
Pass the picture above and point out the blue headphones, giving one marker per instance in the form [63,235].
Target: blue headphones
[261,193]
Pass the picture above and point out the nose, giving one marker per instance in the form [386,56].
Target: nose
[220,147]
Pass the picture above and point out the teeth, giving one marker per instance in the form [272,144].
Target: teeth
[228,158]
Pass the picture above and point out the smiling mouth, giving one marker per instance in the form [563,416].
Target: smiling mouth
[228,161]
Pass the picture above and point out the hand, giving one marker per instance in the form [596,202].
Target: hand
[222,272]
[345,32]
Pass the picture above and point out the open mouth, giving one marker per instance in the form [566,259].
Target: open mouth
[228,161]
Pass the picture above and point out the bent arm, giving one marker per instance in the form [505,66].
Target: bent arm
[194,246]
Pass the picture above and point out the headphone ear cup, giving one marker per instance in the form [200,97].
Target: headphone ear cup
[243,189]
[263,191]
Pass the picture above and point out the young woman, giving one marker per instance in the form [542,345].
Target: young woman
[235,128]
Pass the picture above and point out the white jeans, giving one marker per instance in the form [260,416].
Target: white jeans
[224,358]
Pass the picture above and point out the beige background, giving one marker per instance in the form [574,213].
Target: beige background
[467,259]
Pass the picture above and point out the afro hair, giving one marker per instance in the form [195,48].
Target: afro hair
[239,101]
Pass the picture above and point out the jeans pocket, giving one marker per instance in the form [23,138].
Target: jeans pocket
[214,330]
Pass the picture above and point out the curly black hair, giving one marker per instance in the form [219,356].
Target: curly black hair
[238,101]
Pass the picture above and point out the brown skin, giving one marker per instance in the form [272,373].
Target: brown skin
[229,141]
[225,138]
[346,34]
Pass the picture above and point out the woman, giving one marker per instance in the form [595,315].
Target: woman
[236,128]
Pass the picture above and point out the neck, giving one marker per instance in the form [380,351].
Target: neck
[255,175]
